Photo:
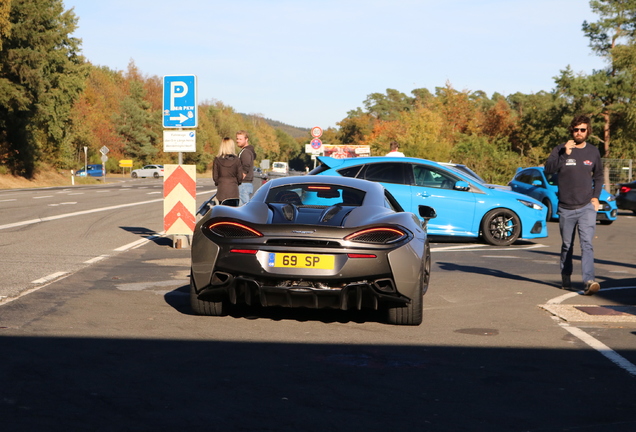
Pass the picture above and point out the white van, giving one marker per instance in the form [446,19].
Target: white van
[280,167]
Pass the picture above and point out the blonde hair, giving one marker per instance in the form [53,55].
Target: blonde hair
[227,147]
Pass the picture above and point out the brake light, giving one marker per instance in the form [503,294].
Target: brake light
[381,235]
[625,189]
[244,251]
[233,230]
[355,255]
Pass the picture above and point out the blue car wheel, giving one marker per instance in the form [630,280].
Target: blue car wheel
[501,227]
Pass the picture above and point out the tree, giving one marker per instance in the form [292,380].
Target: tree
[5,22]
[41,74]
[611,88]
[134,123]
[387,107]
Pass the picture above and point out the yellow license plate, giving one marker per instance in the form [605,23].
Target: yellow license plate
[306,261]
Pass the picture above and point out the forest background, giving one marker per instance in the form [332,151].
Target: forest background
[54,102]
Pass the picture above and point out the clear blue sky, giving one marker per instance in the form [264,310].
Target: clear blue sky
[308,62]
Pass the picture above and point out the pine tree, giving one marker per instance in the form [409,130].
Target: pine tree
[41,74]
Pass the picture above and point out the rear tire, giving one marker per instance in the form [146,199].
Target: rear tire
[134,175]
[156,175]
[203,307]
[412,313]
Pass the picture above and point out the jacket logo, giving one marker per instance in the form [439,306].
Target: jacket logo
[570,161]
[587,162]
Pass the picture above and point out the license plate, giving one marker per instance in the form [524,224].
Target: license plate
[306,261]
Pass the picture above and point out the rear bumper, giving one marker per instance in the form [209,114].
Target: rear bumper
[350,295]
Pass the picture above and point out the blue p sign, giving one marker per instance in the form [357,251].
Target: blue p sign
[179,101]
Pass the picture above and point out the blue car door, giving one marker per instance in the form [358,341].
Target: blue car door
[455,209]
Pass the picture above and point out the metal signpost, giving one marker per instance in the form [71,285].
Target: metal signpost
[104,150]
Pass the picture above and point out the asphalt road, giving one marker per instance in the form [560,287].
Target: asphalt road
[110,343]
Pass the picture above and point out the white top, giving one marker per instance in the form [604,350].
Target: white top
[395,154]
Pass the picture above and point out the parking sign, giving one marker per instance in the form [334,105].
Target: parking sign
[179,101]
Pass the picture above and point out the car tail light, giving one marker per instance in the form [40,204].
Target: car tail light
[625,189]
[233,230]
[381,235]
[244,251]
[356,255]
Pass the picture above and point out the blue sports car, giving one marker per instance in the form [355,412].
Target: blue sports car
[465,207]
[533,182]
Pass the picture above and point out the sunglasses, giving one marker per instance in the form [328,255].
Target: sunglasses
[579,130]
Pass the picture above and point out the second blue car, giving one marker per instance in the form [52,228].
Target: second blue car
[533,182]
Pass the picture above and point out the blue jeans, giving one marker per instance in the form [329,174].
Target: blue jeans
[245,192]
[582,220]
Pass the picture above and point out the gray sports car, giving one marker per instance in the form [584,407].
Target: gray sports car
[315,242]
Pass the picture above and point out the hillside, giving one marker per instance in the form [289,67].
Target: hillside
[293,131]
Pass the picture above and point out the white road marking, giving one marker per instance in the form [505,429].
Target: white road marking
[8,200]
[66,215]
[591,341]
[500,256]
[137,243]
[96,259]
[49,278]
[44,196]
[599,346]
[64,203]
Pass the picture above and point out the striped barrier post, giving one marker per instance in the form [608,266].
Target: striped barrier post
[179,201]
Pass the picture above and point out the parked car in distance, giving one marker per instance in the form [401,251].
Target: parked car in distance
[533,182]
[155,171]
[280,167]
[94,170]
[465,207]
[626,196]
[315,242]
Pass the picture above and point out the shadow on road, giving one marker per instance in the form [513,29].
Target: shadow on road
[62,384]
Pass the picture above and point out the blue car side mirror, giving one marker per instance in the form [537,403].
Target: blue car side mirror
[461,185]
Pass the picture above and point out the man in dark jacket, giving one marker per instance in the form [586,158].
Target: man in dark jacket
[247,156]
[580,171]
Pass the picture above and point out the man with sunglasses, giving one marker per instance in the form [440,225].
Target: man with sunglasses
[580,173]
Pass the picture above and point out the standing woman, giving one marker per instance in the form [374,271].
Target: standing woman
[227,171]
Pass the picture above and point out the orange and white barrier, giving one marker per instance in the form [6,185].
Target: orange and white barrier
[179,199]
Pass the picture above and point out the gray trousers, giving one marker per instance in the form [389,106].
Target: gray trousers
[582,220]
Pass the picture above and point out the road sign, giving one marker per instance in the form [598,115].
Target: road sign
[104,150]
[316,132]
[179,141]
[316,143]
[126,163]
[179,101]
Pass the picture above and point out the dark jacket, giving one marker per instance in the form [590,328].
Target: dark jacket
[580,175]
[227,173]
[247,155]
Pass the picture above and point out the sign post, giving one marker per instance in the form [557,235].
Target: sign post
[104,151]
[179,112]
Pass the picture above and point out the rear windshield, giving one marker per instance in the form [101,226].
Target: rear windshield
[316,195]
